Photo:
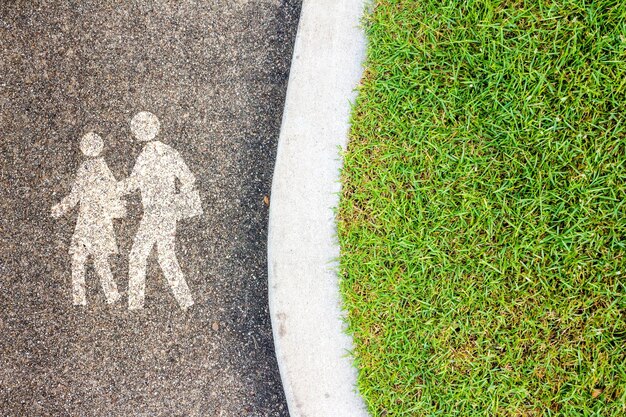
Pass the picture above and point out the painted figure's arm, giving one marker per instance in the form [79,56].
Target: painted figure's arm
[68,201]
[130,184]
[182,172]
[115,205]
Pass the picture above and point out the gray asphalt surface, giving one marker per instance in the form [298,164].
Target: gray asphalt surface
[215,73]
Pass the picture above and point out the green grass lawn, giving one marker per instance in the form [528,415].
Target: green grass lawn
[482,220]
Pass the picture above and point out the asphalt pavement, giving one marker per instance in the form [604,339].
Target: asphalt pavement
[215,74]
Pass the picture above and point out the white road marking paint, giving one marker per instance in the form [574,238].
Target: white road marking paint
[156,171]
[98,194]
[94,190]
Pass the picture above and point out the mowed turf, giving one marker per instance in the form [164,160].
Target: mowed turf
[482,220]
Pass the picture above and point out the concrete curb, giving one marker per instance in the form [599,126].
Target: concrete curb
[305,304]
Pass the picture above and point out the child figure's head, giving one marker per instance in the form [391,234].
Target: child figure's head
[91,144]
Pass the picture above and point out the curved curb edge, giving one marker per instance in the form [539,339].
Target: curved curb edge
[311,345]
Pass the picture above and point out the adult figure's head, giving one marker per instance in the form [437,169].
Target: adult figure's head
[145,126]
[91,144]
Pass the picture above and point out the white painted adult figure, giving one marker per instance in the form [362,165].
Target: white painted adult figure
[155,174]
[94,190]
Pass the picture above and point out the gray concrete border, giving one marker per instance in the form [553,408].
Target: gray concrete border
[305,304]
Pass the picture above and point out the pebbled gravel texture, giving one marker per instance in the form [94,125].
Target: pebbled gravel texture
[215,73]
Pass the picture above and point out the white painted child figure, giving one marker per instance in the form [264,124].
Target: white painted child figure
[94,190]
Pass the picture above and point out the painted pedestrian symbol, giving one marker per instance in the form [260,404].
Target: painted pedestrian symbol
[155,176]
[155,173]
[94,190]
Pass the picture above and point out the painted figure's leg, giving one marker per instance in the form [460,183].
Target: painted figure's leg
[79,258]
[172,271]
[137,266]
[101,265]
